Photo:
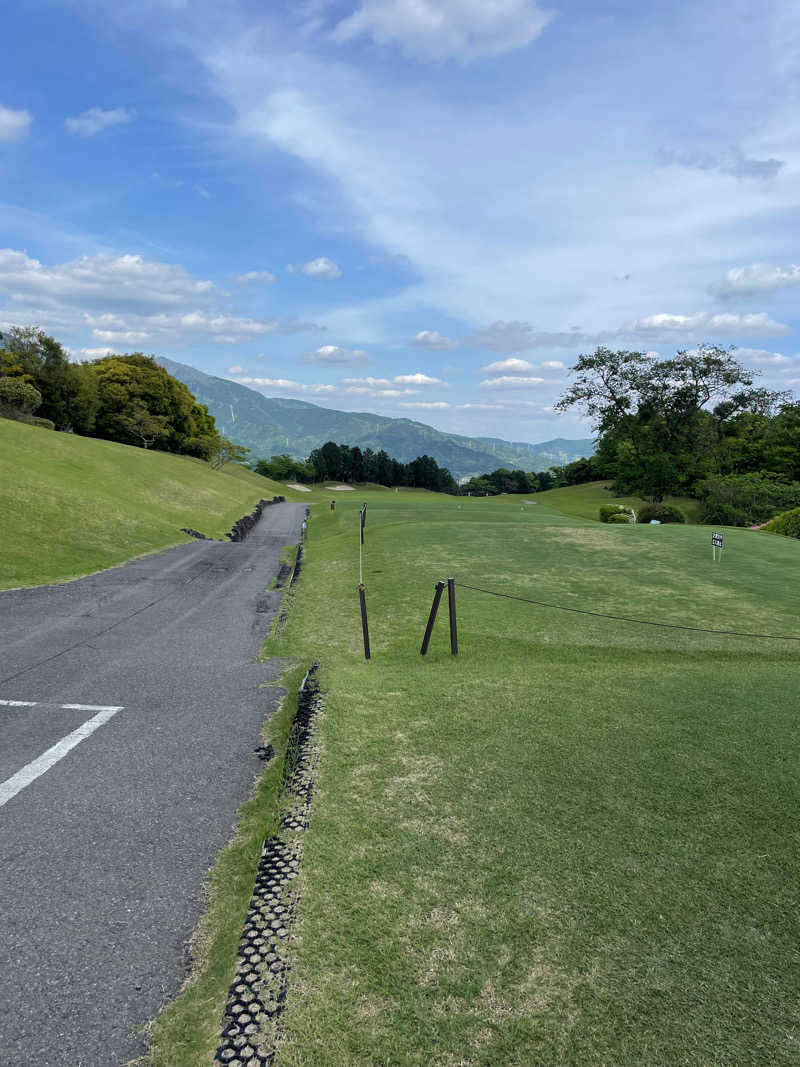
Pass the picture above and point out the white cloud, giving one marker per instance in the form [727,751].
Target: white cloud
[759,279]
[14,125]
[432,404]
[510,366]
[417,379]
[262,276]
[322,267]
[97,119]
[483,407]
[97,353]
[552,364]
[505,382]
[123,279]
[445,29]
[759,325]
[236,370]
[316,389]
[763,356]
[433,341]
[332,355]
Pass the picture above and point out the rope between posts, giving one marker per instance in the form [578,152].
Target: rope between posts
[625,618]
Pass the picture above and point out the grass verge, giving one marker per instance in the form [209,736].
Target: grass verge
[577,841]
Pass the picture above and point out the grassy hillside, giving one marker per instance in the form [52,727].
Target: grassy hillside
[584,501]
[71,505]
[272,425]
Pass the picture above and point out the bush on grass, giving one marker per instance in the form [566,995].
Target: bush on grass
[787,524]
[746,499]
[620,519]
[609,510]
[662,512]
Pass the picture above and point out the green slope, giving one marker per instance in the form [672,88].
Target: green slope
[270,425]
[72,505]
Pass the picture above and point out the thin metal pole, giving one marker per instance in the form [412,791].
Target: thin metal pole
[364,627]
[437,596]
[451,603]
[363,516]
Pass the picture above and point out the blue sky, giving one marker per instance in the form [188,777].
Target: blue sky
[425,208]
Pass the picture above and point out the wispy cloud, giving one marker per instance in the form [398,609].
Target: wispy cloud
[262,277]
[14,125]
[433,341]
[759,279]
[446,29]
[321,268]
[97,119]
[508,382]
[332,355]
[730,161]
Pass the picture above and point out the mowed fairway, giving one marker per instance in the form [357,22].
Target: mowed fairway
[577,842]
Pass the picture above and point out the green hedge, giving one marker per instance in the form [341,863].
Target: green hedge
[662,512]
[787,524]
[607,511]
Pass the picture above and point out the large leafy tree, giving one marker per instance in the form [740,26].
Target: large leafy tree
[661,422]
[68,390]
[140,403]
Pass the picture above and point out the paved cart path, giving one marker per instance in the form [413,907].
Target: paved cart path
[130,707]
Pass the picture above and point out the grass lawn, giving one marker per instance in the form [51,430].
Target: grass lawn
[72,505]
[584,501]
[577,842]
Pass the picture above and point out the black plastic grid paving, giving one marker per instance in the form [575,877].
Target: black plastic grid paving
[258,993]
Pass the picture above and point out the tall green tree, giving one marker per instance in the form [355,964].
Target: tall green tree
[69,390]
[132,384]
[661,422]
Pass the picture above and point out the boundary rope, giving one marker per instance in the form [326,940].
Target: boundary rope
[625,618]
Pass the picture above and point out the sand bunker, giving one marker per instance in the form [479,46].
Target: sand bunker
[340,488]
[294,485]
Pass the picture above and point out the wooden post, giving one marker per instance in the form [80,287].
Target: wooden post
[451,603]
[437,596]
[364,627]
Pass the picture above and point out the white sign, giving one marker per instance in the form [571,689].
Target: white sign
[716,540]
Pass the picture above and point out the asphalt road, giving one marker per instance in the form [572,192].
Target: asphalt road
[103,855]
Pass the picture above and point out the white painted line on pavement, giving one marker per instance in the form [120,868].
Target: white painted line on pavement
[90,707]
[37,767]
[66,707]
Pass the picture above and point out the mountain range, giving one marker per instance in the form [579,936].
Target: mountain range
[270,426]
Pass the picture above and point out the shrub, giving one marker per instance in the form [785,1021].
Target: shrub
[787,524]
[19,395]
[746,499]
[36,420]
[620,518]
[607,510]
[662,512]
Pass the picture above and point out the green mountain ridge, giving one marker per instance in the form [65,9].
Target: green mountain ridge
[271,425]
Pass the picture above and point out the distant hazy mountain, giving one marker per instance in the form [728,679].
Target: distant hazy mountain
[270,425]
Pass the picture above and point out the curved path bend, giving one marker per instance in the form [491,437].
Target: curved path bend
[130,707]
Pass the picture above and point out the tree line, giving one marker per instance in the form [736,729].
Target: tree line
[693,425]
[130,398]
[349,463]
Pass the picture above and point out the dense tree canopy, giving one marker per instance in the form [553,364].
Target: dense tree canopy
[140,403]
[68,390]
[666,424]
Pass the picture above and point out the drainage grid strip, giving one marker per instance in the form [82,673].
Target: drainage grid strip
[257,995]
